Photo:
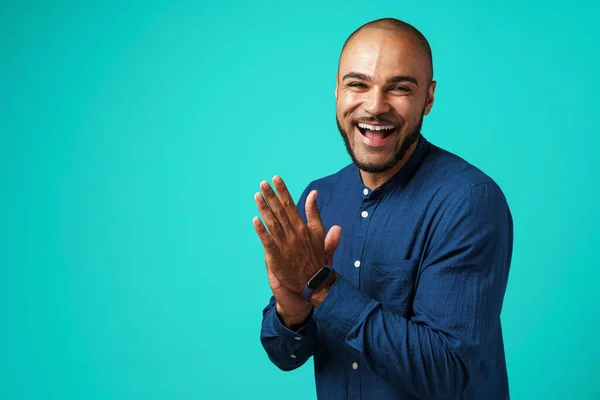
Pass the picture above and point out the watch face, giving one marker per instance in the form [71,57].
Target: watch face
[317,279]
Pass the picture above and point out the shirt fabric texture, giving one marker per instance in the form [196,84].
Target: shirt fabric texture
[423,263]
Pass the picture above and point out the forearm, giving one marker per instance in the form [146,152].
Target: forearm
[287,347]
[420,359]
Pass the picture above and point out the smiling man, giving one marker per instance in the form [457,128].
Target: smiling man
[401,299]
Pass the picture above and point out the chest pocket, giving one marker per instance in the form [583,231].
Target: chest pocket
[393,284]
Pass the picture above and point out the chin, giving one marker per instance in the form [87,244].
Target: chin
[378,159]
[375,167]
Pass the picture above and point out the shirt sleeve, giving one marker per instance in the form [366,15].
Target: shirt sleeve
[288,349]
[457,303]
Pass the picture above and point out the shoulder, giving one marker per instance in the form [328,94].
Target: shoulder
[448,176]
[329,188]
[336,178]
[333,183]
[465,203]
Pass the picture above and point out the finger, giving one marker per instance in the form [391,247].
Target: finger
[276,207]
[313,218]
[331,242]
[287,201]
[264,236]
[272,224]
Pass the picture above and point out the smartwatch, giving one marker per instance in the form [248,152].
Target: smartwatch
[316,281]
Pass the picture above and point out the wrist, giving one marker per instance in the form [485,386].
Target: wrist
[321,292]
[292,321]
[316,280]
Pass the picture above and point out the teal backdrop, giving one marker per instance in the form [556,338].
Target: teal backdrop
[134,135]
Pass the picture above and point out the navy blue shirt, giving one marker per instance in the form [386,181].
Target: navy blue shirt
[423,263]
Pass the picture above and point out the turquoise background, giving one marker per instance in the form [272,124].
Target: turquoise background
[134,135]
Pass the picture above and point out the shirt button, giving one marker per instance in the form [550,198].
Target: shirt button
[354,365]
[365,191]
[357,263]
[364,214]
[294,356]
[298,337]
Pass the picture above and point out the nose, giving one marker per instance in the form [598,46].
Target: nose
[376,103]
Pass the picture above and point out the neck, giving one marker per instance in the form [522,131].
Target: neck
[374,180]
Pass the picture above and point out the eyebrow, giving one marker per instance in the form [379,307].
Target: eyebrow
[393,79]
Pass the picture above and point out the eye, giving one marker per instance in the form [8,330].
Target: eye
[357,85]
[400,89]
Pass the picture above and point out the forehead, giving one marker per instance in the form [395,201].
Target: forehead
[381,53]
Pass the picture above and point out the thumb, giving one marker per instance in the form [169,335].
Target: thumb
[313,219]
[331,242]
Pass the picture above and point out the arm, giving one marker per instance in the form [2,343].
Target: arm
[456,307]
[287,347]
[288,332]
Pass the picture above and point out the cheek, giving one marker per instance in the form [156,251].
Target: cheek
[408,109]
[402,105]
[347,103]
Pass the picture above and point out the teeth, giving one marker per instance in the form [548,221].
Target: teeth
[376,127]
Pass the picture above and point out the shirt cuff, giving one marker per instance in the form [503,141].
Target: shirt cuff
[344,307]
[275,325]
[286,348]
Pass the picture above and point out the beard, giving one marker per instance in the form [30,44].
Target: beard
[377,168]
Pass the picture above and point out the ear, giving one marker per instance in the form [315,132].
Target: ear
[336,87]
[430,96]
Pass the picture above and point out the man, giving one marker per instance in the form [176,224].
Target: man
[418,240]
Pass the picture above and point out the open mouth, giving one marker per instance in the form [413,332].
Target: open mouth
[375,135]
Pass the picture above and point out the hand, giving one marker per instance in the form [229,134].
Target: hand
[291,306]
[294,251]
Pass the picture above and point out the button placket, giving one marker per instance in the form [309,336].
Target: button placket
[367,206]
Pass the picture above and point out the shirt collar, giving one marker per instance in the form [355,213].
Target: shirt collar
[406,172]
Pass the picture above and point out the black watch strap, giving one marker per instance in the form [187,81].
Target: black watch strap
[316,281]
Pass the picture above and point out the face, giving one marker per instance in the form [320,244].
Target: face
[383,91]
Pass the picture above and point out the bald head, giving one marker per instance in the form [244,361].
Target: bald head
[395,25]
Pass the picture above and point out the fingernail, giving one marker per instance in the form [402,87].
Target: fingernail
[277,179]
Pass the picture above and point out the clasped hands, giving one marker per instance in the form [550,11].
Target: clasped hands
[294,250]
